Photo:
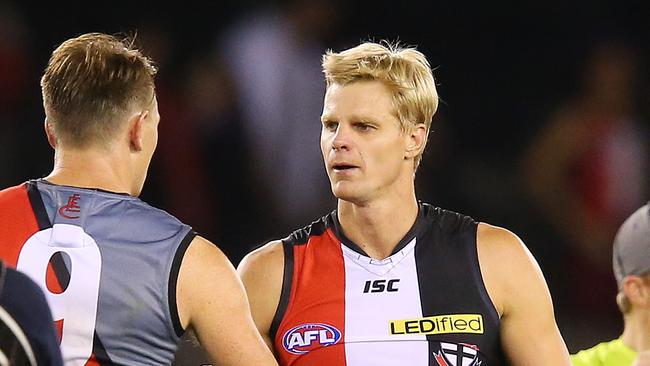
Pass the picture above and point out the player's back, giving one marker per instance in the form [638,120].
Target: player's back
[108,264]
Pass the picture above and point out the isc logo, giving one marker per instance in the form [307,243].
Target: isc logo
[307,337]
[381,286]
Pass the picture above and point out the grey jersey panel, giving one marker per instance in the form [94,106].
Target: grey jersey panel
[137,244]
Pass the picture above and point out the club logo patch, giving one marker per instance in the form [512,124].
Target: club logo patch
[72,209]
[452,354]
[307,337]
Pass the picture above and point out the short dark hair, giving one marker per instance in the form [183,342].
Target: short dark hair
[90,84]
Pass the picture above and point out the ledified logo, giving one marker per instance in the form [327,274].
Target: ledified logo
[440,324]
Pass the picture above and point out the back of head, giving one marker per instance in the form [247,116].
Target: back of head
[632,245]
[405,71]
[91,84]
[631,252]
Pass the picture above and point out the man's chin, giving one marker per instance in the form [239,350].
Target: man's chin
[347,195]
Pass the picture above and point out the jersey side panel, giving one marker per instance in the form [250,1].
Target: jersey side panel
[313,329]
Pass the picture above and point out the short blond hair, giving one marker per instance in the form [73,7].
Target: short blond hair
[404,70]
[91,82]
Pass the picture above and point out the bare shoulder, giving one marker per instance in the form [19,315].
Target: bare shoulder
[529,334]
[262,272]
[204,260]
[212,300]
[506,264]
[268,257]
[496,240]
[203,256]
[203,250]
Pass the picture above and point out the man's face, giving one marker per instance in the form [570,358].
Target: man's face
[362,143]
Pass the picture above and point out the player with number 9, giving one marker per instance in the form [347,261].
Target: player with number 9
[124,280]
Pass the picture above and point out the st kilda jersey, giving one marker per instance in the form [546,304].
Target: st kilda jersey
[425,305]
[108,265]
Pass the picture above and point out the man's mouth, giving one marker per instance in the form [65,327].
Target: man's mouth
[342,167]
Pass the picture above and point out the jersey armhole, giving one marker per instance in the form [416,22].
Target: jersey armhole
[173,280]
[482,287]
[287,281]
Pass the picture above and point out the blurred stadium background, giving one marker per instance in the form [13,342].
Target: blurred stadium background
[542,128]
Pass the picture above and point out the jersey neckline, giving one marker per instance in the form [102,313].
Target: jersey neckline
[418,226]
[99,190]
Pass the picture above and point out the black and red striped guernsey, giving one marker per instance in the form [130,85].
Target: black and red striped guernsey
[425,305]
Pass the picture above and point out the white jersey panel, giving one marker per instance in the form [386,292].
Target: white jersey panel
[376,293]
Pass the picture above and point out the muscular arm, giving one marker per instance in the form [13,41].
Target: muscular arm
[262,273]
[211,300]
[529,334]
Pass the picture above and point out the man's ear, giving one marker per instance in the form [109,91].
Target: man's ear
[49,132]
[136,128]
[417,138]
[636,290]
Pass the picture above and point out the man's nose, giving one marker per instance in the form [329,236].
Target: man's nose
[341,140]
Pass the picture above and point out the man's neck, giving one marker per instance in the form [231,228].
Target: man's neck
[636,334]
[379,226]
[90,168]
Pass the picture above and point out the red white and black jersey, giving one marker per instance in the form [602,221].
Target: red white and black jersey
[425,305]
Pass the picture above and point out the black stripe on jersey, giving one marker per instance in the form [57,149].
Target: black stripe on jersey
[38,207]
[316,228]
[298,237]
[450,281]
[173,281]
[100,352]
[61,270]
[287,280]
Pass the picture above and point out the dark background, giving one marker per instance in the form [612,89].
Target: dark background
[503,71]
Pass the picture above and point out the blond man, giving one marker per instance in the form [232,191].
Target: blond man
[385,279]
[124,280]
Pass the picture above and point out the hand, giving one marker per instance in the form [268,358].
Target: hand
[642,359]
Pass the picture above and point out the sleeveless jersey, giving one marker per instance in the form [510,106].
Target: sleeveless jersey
[108,265]
[425,305]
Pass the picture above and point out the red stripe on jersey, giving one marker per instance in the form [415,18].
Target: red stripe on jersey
[58,326]
[316,305]
[440,359]
[92,361]
[52,281]
[17,222]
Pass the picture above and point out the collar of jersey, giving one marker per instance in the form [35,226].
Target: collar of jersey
[418,226]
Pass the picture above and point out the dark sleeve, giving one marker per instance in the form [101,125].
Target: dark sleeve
[26,303]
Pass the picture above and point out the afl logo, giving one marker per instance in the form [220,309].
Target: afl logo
[308,337]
